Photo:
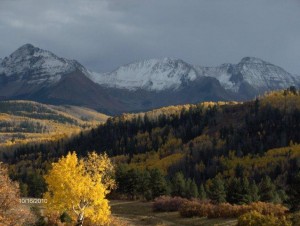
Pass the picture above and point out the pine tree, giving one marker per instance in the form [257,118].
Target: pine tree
[246,193]
[191,189]
[158,183]
[122,178]
[217,190]
[178,185]
[294,181]
[234,191]
[202,192]
[144,185]
[133,179]
[267,190]
[254,192]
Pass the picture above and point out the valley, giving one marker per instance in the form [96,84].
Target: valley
[149,113]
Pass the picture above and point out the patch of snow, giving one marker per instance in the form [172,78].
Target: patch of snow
[153,75]
[37,65]
[261,75]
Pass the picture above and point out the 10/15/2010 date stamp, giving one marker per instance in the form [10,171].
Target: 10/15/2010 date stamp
[32,201]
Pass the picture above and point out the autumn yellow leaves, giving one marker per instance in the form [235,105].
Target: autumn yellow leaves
[79,187]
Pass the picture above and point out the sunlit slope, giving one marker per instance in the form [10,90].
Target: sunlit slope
[26,121]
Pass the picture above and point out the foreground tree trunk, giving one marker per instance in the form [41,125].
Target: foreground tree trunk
[80,219]
[80,212]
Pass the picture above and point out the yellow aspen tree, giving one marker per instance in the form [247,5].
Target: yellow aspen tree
[79,187]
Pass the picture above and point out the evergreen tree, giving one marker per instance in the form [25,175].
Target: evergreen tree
[254,192]
[245,192]
[217,190]
[144,185]
[178,185]
[234,191]
[191,189]
[294,183]
[158,183]
[267,190]
[122,178]
[202,192]
[133,179]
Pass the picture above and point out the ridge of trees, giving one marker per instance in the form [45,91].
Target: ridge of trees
[216,142]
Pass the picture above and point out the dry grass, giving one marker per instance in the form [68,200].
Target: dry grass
[140,213]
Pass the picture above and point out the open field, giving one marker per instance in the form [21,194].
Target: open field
[140,213]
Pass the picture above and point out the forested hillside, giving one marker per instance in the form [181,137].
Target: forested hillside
[24,122]
[191,151]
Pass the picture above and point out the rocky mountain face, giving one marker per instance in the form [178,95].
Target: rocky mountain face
[250,77]
[36,66]
[150,75]
[36,74]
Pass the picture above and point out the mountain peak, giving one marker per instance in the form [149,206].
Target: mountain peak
[27,46]
[151,75]
[252,60]
[35,66]
[27,49]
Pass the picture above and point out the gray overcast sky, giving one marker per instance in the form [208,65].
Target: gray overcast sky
[103,35]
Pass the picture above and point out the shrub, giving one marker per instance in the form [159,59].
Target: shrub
[196,208]
[258,219]
[168,204]
[226,210]
[65,217]
[296,218]
[269,208]
[53,219]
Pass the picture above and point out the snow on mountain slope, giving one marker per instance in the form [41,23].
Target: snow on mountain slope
[31,65]
[162,74]
[151,75]
[259,74]
[36,65]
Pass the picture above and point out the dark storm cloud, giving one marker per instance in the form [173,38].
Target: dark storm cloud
[105,34]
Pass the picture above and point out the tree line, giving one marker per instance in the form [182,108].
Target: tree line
[208,136]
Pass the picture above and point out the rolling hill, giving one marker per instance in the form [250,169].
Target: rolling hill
[27,121]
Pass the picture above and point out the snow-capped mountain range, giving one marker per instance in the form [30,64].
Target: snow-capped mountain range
[259,74]
[167,73]
[33,73]
[151,75]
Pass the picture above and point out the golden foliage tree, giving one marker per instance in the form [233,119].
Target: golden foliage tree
[12,212]
[79,187]
[258,219]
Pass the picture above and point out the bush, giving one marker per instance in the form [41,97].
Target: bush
[226,210]
[65,218]
[269,208]
[53,219]
[296,218]
[258,219]
[168,204]
[196,208]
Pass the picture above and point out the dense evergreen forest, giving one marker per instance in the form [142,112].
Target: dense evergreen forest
[234,152]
